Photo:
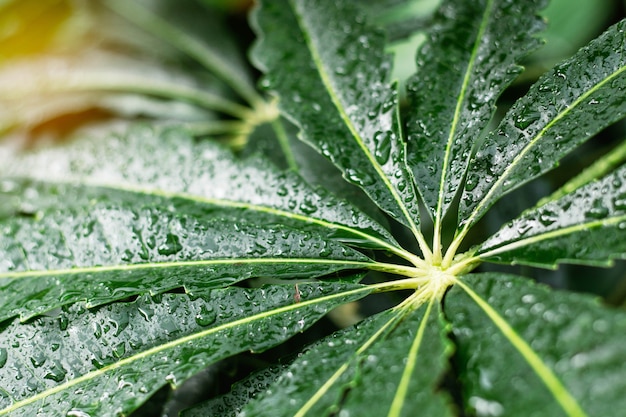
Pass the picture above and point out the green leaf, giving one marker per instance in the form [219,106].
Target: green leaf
[522,347]
[331,73]
[587,226]
[564,108]
[468,60]
[230,404]
[105,252]
[334,376]
[169,164]
[109,361]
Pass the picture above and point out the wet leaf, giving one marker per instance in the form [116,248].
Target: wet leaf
[468,60]
[169,164]
[567,106]
[334,376]
[109,361]
[522,347]
[586,226]
[229,405]
[102,252]
[331,73]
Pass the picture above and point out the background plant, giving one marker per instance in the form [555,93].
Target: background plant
[139,256]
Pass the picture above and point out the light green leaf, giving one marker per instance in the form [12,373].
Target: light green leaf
[587,226]
[109,361]
[331,73]
[470,57]
[403,350]
[37,89]
[523,349]
[564,108]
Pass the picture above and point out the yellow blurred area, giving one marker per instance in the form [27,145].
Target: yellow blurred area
[29,27]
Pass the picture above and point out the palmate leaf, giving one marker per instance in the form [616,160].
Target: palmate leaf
[469,59]
[526,350]
[335,375]
[586,226]
[565,107]
[331,73]
[110,360]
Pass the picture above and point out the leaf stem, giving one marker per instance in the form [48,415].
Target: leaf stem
[283,142]
[189,45]
[146,86]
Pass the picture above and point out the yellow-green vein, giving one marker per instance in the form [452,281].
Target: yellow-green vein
[567,402]
[437,248]
[409,368]
[374,266]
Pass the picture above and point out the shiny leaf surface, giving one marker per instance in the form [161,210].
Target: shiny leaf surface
[331,73]
[523,348]
[101,252]
[568,105]
[334,376]
[587,226]
[468,60]
[170,164]
[108,361]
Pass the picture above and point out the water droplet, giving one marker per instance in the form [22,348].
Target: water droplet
[382,143]
[282,191]
[63,322]
[598,210]
[547,218]
[38,362]
[4,355]
[308,205]
[56,374]
[206,316]
[524,228]
[620,202]
[171,246]
[471,183]
[526,118]
[362,179]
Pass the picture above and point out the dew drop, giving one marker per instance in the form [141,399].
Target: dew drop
[620,202]
[171,246]
[206,316]
[282,191]
[547,218]
[526,118]
[308,205]
[359,178]
[3,357]
[597,211]
[56,374]
[382,143]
